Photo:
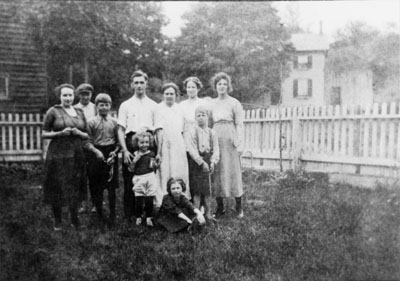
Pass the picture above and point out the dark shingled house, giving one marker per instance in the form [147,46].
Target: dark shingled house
[23,79]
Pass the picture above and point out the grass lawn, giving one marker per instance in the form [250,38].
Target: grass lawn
[296,227]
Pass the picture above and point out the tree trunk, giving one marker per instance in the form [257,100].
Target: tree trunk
[86,70]
[70,73]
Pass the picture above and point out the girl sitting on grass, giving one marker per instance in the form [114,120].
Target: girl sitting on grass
[177,213]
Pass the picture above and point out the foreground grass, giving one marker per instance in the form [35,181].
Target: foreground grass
[296,227]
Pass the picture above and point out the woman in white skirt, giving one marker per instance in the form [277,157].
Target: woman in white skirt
[227,119]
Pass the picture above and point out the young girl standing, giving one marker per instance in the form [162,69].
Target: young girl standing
[144,179]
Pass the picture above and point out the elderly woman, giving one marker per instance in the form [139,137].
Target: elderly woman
[227,119]
[65,172]
[173,151]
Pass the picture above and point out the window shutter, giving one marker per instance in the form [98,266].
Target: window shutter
[295,88]
[309,87]
[296,62]
[309,62]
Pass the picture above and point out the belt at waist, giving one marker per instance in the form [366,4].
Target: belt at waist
[224,122]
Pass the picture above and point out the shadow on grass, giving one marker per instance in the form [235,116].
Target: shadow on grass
[296,227]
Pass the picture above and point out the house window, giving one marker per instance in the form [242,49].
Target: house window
[303,62]
[302,88]
[4,82]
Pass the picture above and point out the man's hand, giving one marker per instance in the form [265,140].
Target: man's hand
[205,167]
[158,160]
[99,155]
[128,157]
[212,167]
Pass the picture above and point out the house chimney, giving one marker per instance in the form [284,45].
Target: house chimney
[320,28]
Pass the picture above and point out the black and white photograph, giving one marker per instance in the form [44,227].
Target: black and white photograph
[199,140]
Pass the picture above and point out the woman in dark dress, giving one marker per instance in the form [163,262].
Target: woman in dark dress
[65,170]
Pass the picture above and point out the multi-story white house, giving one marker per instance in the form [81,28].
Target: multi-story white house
[305,84]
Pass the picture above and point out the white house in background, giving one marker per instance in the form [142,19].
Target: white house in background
[351,87]
[306,82]
[311,83]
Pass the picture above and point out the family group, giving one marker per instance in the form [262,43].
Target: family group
[175,156]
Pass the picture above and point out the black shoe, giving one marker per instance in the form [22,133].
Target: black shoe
[76,224]
[194,227]
[219,213]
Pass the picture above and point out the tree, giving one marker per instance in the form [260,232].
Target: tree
[98,42]
[246,40]
[361,47]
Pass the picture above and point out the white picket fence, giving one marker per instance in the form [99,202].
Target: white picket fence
[347,139]
[20,136]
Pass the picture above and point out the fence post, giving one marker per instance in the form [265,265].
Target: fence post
[297,136]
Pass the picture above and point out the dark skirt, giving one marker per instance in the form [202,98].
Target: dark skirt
[99,171]
[65,172]
[199,181]
[172,223]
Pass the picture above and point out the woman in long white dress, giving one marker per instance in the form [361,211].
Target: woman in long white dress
[173,149]
[227,119]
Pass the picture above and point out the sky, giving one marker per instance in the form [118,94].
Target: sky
[333,14]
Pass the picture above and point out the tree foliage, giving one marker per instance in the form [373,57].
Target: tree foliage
[361,47]
[246,40]
[103,42]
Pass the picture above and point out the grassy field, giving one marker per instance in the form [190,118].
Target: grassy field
[296,227]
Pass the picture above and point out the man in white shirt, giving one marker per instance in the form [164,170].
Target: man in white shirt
[135,115]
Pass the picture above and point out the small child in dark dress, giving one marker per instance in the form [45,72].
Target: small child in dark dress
[177,213]
[202,145]
[102,159]
[144,179]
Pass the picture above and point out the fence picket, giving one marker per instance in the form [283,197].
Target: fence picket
[343,130]
[24,136]
[17,133]
[10,133]
[366,132]
[31,143]
[330,130]
[316,130]
[38,133]
[350,131]
[374,136]
[3,132]
[392,112]
[336,131]
[382,139]
[322,144]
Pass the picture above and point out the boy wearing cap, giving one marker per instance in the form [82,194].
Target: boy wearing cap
[102,158]
[84,92]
